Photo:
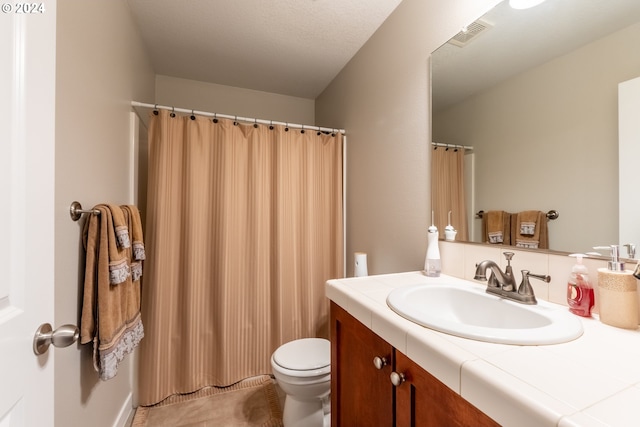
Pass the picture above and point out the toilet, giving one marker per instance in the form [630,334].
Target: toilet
[302,369]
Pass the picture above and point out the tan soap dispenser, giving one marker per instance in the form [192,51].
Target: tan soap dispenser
[617,292]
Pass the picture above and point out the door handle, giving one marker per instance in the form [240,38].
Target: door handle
[63,336]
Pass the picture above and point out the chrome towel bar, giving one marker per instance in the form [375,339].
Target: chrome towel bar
[552,214]
[76,211]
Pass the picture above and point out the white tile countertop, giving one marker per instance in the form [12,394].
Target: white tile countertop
[593,381]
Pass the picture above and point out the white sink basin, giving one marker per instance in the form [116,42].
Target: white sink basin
[467,311]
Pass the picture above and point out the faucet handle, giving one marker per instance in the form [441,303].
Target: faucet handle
[526,290]
[631,250]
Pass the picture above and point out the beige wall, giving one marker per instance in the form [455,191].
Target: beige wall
[214,98]
[382,99]
[101,67]
[548,139]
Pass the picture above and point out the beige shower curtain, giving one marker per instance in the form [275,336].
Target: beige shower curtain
[447,190]
[244,226]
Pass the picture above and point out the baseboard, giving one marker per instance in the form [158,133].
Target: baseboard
[125,417]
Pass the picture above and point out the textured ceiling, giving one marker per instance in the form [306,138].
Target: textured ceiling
[290,47]
[522,39]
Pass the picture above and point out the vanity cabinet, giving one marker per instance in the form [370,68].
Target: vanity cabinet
[362,393]
[422,400]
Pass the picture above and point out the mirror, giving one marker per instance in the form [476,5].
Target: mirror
[535,93]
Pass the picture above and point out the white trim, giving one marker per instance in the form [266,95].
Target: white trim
[134,153]
[125,416]
[344,204]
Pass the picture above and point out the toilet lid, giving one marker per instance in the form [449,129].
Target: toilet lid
[304,354]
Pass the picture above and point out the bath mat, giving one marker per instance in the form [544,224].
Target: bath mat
[250,403]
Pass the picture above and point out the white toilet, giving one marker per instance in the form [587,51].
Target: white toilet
[303,370]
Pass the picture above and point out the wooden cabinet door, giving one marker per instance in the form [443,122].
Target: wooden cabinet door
[361,394]
[424,401]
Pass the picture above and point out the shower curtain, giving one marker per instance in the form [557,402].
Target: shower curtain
[447,191]
[244,225]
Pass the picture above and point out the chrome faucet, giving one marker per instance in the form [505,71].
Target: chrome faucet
[504,284]
[504,281]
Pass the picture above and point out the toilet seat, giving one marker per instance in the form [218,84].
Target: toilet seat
[304,357]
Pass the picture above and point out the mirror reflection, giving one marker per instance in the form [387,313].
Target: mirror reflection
[533,95]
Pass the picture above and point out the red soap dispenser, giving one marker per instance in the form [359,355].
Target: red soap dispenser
[580,296]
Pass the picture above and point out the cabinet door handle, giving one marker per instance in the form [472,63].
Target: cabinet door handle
[397,379]
[380,362]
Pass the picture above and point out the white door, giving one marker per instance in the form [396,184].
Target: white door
[27,117]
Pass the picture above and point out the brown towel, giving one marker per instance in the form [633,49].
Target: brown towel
[135,225]
[138,254]
[120,226]
[543,220]
[529,230]
[110,313]
[496,227]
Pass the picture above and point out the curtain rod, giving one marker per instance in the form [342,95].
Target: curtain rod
[237,118]
[440,144]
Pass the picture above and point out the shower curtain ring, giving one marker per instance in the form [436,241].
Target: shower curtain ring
[215,117]
[155,109]
[302,131]
[255,123]
[193,117]
[271,125]
[286,127]
[235,121]
[173,112]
